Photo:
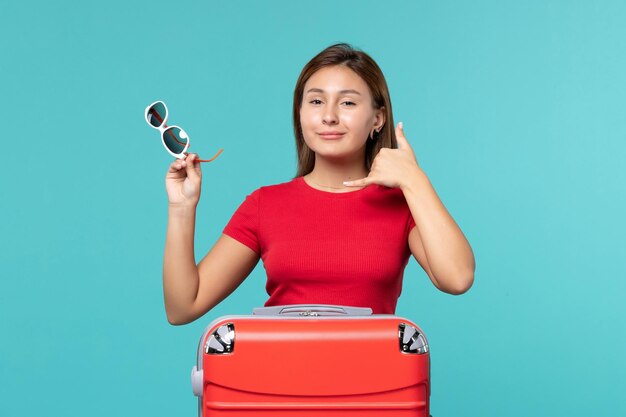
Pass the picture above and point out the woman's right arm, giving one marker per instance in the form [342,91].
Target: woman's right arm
[189,290]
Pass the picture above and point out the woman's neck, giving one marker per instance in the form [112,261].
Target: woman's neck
[331,175]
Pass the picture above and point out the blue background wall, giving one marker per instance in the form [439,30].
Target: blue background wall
[515,111]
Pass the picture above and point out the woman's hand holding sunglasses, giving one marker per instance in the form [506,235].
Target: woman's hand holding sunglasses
[183,182]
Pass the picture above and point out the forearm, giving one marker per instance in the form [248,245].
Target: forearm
[180,273]
[449,255]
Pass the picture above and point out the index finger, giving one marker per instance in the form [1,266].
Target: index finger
[175,166]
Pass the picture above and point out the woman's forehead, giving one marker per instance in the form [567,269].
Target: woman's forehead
[336,80]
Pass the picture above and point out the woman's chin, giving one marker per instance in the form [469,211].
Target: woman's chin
[337,157]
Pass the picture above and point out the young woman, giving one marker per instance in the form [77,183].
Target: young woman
[342,231]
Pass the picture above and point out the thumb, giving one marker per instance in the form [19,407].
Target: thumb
[403,143]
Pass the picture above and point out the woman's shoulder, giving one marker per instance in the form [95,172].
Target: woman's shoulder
[277,190]
[387,197]
[279,187]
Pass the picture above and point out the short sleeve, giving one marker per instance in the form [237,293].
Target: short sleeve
[244,224]
[410,224]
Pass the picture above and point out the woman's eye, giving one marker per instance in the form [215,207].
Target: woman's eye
[315,101]
[349,103]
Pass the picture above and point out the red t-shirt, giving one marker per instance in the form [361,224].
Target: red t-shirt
[320,247]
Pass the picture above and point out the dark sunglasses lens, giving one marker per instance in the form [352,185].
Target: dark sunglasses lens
[175,139]
[156,114]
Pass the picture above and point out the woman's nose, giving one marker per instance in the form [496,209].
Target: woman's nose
[330,115]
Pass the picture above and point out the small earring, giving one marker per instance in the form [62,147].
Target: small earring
[374,135]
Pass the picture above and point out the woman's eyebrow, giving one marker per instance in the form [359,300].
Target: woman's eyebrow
[319,90]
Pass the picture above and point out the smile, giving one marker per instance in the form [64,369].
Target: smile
[331,135]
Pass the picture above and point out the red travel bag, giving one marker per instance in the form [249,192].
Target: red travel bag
[312,360]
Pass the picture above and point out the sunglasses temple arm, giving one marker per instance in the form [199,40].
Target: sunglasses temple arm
[209,160]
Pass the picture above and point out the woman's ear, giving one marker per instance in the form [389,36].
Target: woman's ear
[379,120]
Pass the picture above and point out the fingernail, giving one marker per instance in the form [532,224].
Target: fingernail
[347,182]
[400,125]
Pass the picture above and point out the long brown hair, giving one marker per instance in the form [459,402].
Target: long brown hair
[366,68]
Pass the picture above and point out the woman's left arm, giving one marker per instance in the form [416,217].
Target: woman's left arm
[437,242]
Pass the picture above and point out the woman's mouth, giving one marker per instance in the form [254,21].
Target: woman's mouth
[331,135]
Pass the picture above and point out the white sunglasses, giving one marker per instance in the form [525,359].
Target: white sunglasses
[175,139]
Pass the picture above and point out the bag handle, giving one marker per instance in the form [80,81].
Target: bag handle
[314,310]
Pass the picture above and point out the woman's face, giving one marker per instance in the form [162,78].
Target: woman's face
[337,113]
